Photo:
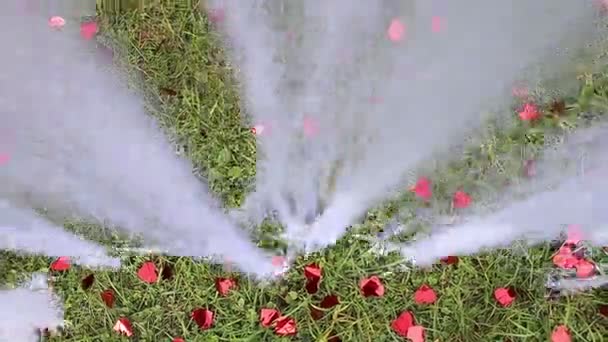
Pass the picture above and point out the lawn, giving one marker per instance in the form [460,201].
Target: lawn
[191,89]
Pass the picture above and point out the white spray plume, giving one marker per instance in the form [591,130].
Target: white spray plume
[81,144]
[350,112]
[23,231]
[27,310]
[569,188]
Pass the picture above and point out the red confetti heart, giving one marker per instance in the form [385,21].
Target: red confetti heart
[565,258]
[422,189]
[61,264]
[437,24]
[123,326]
[561,334]
[216,15]
[147,272]
[425,295]
[87,281]
[416,333]
[286,326]
[529,168]
[585,269]
[403,323]
[311,127]
[396,30]
[450,260]
[268,317]
[203,318]
[4,158]
[166,272]
[312,273]
[224,285]
[521,92]
[529,112]
[88,30]
[461,200]
[259,130]
[178,339]
[327,302]
[108,298]
[574,234]
[280,262]
[56,22]
[603,310]
[371,287]
[504,296]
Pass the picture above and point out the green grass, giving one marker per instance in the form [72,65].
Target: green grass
[184,70]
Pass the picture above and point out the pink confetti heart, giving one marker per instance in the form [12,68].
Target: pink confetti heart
[88,30]
[311,127]
[396,30]
[4,158]
[574,234]
[56,22]
[437,24]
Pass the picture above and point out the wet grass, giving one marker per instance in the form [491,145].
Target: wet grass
[193,93]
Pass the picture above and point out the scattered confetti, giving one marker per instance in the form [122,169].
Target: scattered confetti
[108,298]
[216,15]
[147,272]
[529,112]
[504,296]
[425,295]
[402,324]
[574,234]
[224,285]
[557,107]
[4,158]
[437,24]
[312,273]
[450,260]
[268,317]
[603,310]
[281,263]
[310,127]
[88,30]
[203,318]
[602,6]
[56,22]
[416,333]
[61,264]
[166,272]
[461,200]
[396,30]
[334,338]
[565,258]
[529,168]
[371,287]
[375,100]
[327,302]
[585,268]
[285,326]
[123,326]
[520,92]
[423,189]
[87,281]
[561,334]
[258,129]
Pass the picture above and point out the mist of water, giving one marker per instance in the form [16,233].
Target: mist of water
[350,108]
[27,309]
[81,145]
[568,188]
